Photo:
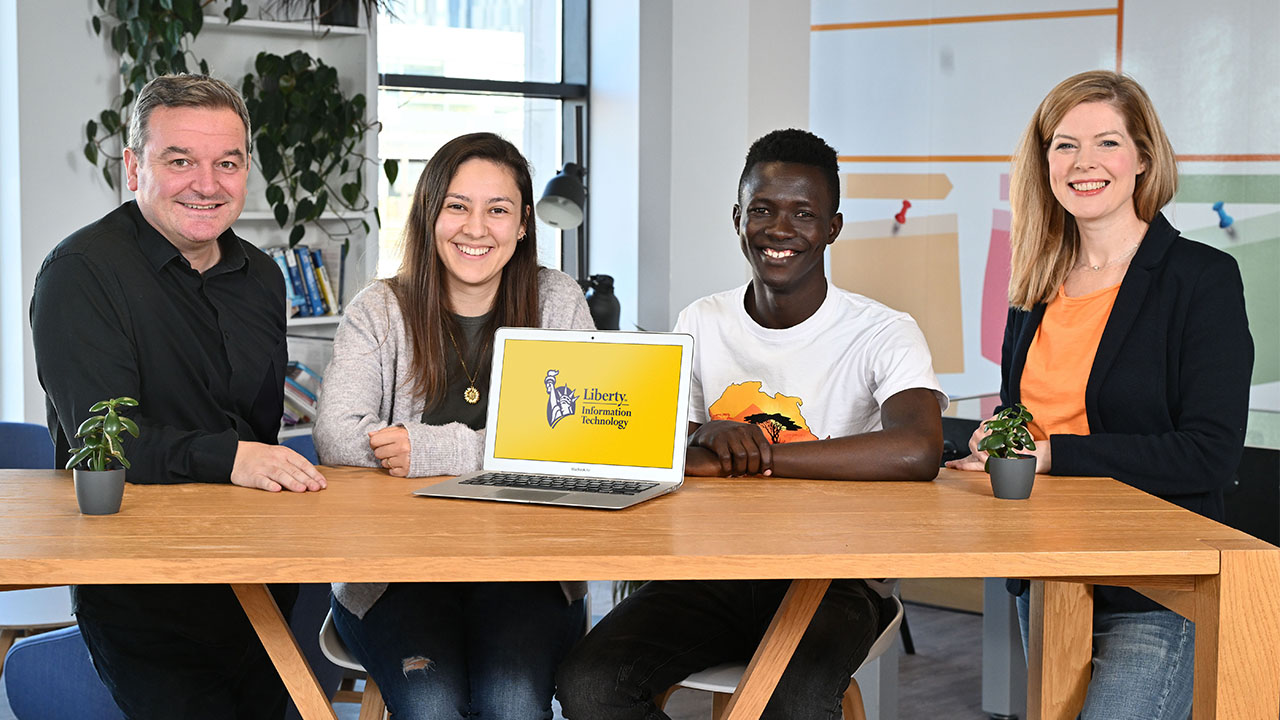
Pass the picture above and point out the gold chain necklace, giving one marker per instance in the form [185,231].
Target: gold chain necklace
[471,394]
[1095,268]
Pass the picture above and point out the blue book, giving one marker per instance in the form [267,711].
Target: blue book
[308,272]
[295,279]
[290,382]
[295,302]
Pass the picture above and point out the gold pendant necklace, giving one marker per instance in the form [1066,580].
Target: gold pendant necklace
[471,394]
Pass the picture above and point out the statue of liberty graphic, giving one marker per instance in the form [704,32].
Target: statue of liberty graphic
[561,401]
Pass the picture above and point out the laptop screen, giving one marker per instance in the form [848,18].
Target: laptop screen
[585,402]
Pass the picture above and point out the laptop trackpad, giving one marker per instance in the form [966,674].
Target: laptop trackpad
[527,495]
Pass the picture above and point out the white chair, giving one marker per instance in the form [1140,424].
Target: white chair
[371,705]
[26,612]
[722,680]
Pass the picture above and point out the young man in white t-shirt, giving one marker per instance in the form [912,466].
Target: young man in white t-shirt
[792,377]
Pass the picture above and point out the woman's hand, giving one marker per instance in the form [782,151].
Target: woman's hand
[391,446]
[977,459]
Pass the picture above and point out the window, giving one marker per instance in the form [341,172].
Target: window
[448,67]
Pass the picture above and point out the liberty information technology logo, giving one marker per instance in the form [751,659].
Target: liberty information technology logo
[603,408]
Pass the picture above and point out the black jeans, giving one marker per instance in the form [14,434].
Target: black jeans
[667,630]
[181,652]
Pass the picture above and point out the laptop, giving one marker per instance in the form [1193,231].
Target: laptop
[594,419]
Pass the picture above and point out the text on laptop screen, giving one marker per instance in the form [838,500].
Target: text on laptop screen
[599,403]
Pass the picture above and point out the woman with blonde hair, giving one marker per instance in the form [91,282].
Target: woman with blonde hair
[407,391]
[1130,346]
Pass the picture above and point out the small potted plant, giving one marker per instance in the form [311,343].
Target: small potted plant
[1012,474]
[99,486]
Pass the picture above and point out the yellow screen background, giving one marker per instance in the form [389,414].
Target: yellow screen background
[648,375]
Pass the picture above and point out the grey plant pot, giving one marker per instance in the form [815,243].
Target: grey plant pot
[1012,478]
[99,492]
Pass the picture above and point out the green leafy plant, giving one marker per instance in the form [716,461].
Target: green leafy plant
[308,138]
[1007,433]
[152,37]
[101,434]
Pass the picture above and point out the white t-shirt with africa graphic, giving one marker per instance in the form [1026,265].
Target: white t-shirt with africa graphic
[826,377]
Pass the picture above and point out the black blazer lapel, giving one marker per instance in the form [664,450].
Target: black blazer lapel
[1129,301]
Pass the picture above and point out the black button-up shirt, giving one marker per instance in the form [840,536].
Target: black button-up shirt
[117,310]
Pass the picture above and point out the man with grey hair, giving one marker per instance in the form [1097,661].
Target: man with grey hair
[160,301]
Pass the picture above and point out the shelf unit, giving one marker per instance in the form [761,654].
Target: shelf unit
[231,49]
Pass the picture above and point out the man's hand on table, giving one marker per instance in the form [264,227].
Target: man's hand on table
[738,448]
[274,468]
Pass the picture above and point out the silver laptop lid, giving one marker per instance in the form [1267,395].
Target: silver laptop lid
[589,403]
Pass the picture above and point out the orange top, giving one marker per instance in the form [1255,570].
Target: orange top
[1059,361]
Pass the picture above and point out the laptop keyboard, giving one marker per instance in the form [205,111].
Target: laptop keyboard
[563,484]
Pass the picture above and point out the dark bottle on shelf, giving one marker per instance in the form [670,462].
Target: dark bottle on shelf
[605,309]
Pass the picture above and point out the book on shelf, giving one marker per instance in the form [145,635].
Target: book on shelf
[306,266]
[325,282]
[296,301]
[301,391]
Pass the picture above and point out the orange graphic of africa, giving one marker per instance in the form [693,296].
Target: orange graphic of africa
[778,415]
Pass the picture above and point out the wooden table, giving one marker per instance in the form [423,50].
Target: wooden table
[367,527]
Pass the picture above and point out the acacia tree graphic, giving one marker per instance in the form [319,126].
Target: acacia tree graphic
[772,423]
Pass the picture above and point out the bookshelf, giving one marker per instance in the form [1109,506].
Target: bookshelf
[231,50]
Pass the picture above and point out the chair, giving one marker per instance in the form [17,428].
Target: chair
[26,446]
[24,612]
[50,677]
[371,705]
[304,445]
[723,679]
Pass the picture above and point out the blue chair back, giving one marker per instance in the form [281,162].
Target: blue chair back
[25,446]
[50,677]
[304,445]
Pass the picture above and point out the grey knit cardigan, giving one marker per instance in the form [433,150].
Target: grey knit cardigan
[366,388]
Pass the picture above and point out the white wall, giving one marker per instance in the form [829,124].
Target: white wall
[57,75]
[680,89]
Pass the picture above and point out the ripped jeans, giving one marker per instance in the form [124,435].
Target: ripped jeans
[460,650]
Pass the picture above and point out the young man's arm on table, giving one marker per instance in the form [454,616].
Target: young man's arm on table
[907,448]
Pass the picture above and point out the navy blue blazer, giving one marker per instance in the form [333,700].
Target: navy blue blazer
[1168,394]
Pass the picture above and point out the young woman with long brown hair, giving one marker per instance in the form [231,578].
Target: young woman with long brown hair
[407,391]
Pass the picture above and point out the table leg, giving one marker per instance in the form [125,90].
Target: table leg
[1238,634]
[1060,651]
[283,649]
[776,647]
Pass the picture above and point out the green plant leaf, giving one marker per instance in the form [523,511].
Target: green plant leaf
[311,181]
[106,174]
[130,426]
[78,456]
[391,168]
[350,193]
[302,212]
[296,234]
[91,153]
[88,425]
[97,25]
[99,406]
[91,131]
[282,214]
[275,195]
